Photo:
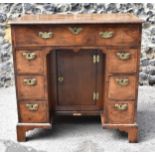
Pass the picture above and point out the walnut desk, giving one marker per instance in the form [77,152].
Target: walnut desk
[77,65]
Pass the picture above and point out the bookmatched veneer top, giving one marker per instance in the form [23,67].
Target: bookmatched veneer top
[77,19]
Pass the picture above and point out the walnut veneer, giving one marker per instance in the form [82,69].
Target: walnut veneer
[77,65]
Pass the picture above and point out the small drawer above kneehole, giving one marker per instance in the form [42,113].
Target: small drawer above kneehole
[122,87]
[30,61]
[122,60]
[33,111]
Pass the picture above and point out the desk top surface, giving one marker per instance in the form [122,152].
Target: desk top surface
[77,19]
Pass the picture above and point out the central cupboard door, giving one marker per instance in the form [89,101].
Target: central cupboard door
[79,80]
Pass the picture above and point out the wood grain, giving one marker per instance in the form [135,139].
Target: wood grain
[77,18]
[31,92]
[89,35]
[116,65]
[71,56]
[38,116]
[25,66]
[117,92]
[119,117]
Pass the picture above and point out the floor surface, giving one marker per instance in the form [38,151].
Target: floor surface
[77,134]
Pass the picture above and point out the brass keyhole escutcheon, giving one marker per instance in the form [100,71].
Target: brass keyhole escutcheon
[60,79]
[75,30]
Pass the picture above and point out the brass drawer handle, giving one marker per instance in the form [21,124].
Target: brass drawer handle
[122,82]
[29,55]
[106,34]
[121,107]
[32,106]
[30,82]
[123,55]
[45,35]
[75,30]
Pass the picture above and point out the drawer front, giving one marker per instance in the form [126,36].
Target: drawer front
[68,35]
[117,35]
[122,87]
[31,87]
[121,112]
[54,35]
[33,111]
[122,60]
[29,61]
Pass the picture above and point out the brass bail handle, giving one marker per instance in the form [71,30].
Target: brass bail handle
[30,82]
[122,82]
[123,55]
[32,106]
[45,35]
[121,107]
[29,55]
[106,34]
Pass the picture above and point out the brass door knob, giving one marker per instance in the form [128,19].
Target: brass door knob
[60,79]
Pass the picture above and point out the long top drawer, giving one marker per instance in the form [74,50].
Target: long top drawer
[76,35]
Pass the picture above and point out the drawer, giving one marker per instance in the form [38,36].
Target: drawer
[58,35]
[120,112]
[117,35]
[122,60]
[122,87]
[33,111]
[31,87]
[29,61]
[80,34]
